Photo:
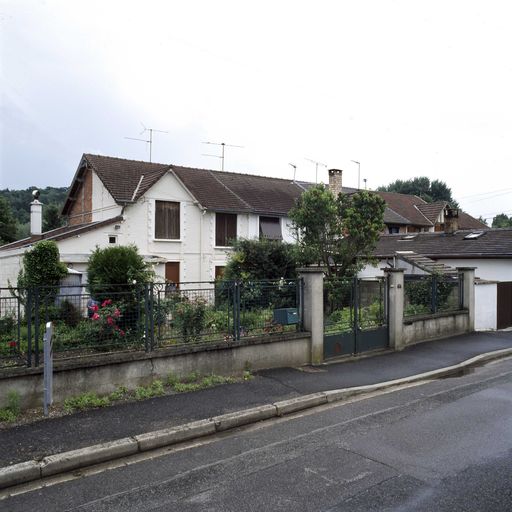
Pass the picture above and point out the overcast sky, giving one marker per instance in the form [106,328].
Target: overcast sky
[408,88]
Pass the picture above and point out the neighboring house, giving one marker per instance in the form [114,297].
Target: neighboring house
[183,220]
[488,250]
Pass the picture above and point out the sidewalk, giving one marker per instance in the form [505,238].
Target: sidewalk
[92,427]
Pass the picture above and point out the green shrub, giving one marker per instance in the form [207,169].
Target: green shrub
[112,268]
[85,401]
[156,388]
[190,318]
[69,313]
[11,412]
[41,267]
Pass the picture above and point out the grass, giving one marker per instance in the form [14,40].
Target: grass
[11,412]
[194,381]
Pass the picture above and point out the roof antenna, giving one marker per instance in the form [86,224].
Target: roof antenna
[316,167]
[150,141]
[294,171]
[221,156]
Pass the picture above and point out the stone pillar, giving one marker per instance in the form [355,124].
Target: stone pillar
[468,294]
[395,279]
[314,310]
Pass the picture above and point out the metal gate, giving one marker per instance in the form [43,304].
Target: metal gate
[355,316]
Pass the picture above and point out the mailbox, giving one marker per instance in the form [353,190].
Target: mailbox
[286,316]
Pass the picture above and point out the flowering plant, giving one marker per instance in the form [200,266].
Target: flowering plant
[106,317]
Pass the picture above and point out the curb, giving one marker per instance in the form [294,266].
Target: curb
[75,459]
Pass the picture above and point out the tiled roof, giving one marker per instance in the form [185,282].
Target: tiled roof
[468,222]
[122,177]
[61,233]
[494,243]
[405,205]
[432,210]
[128,180]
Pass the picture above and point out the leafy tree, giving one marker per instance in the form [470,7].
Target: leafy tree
[482,220]
[7,223]
[337,232]
[110,268]
[502,221]
[429,191]
[261,259]
[51,217]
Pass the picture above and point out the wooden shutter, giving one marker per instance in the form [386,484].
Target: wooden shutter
[167,220]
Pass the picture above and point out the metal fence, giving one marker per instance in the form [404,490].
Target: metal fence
[429,294]
[96,319]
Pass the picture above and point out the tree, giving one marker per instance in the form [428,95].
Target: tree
[261,259]
[337,233]
[502,221]
[51,217]
[429,191]
[41,268]
[110,268]
[7,223]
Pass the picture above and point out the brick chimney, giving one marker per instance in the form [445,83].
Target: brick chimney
[451,220]
[335,179]
[36,215]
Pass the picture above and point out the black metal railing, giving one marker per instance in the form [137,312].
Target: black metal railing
[142,317]
[429,294]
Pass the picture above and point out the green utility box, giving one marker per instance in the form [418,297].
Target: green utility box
[286,316]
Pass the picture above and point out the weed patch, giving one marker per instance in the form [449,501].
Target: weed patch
[12,411]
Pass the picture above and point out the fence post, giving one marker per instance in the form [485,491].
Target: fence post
[433,294]
[48,367]
[152,315]
[28,314]
[468,294]
[146,318]
[314,310]
[395,279]
[36,325]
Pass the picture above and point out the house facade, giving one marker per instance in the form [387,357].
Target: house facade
[183,220]
[489,251]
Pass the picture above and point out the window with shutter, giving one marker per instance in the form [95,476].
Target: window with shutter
[225,229]
[167,220]
[270,228]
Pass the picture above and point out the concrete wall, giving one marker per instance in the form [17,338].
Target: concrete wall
[103,374]
[486,303]
[431,327]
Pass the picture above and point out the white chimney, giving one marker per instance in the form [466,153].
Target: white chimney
[36,215]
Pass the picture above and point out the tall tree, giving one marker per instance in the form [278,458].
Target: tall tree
[337,232]
[502,221]
[429,191]
[7,223]
[51,217]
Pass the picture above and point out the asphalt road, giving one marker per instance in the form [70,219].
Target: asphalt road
[443,446]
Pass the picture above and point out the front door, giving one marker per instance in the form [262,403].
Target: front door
[172,272]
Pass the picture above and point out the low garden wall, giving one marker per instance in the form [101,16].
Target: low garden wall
[419,328]
[105,373]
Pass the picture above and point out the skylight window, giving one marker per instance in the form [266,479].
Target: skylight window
[474,235]
[407,238]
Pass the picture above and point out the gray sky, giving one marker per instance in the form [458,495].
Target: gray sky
[406,87]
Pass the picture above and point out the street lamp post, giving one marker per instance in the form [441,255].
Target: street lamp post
[358,173]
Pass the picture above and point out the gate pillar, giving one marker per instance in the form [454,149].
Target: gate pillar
[395,280]
[468,294]
[314,310]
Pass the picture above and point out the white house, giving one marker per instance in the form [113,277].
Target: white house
[489,251]
[183,219]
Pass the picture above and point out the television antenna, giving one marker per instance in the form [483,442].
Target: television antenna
[294,171]
[316,167]
[358,173]
[223,145]
[148,141]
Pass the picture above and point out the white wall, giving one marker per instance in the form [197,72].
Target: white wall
[103,204]
[10,265]
[492,269]
[486,296]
